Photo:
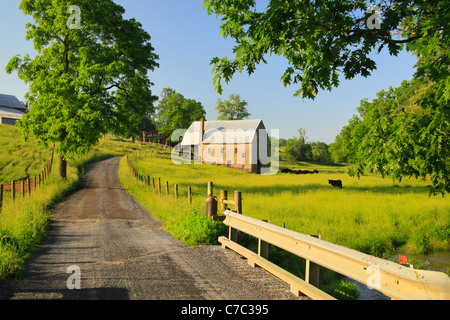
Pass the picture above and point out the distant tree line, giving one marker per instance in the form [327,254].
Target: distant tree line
[299,149]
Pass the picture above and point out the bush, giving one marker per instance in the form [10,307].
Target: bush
[194,229]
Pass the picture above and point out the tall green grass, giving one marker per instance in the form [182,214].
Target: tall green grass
[371,214]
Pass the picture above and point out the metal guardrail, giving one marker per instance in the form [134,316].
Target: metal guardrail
[392,279]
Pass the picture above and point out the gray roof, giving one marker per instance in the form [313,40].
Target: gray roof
[223,131]
[11,101]
[10,113]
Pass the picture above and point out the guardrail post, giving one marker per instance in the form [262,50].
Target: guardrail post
[263,247]
[312,272]
[233,233]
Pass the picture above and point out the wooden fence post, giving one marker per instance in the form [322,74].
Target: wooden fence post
[29,186]
[223,196]
[238,201]
[13,190]
[23,188]
[153,184]
[189,196]
[1,196]
[176,191]
[159,186]
[211,202]
[167,188]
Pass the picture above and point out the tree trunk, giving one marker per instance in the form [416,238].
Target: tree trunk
[62,161]
[62,167]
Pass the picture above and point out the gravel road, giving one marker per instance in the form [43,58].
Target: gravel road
[104,236]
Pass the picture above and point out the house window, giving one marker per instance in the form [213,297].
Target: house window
[235,150]
[243,155]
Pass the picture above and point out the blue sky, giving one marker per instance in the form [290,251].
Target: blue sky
[186,39]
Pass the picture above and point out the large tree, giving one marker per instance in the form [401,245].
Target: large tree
[174,111]
[232,109]
[407,134]
[90,74]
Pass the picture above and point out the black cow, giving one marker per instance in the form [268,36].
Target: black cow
[335,183]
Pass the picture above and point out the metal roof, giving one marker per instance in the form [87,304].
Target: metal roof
[11,101]
[223,131]
[10,113]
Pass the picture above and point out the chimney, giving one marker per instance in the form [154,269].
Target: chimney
[202,128]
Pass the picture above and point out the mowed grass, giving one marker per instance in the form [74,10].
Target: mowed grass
[371,214]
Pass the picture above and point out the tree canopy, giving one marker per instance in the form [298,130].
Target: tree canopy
[89,75]
[324,40]
[232,109]
[174,111]
[402,132]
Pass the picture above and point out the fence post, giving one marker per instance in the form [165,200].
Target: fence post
[159,186]
[223,196]
[153,184]
[167,188]
[23,188]
[189,196]
[29,186]
[13,190]
[312,272]
[176,191]
[211,202]
[1,196]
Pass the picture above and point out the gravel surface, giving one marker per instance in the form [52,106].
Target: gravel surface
[120,252]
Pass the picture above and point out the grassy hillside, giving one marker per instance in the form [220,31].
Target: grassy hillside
[19,158]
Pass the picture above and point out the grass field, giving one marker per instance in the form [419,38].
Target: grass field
[371,214]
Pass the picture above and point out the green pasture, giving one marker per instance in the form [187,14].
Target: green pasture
[373,215]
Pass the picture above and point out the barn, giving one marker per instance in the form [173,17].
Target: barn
[11,109]
[238,144]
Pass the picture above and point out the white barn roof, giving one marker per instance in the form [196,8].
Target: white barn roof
[223,131]
[11,102]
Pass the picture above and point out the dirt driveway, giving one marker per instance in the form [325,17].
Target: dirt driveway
[112,248]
